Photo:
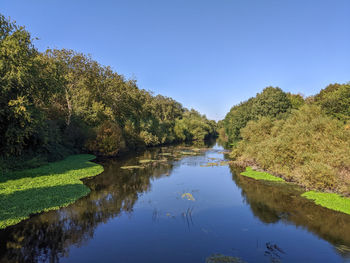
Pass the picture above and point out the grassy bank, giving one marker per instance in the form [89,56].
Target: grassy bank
[48,187]
[331,201]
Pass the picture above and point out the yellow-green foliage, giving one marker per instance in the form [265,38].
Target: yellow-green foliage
[249,172]
[188,196]
[329,200]
[309,148]
[335,101]
[48,187]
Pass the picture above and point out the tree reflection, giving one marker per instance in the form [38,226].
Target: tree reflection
[272,203]
[47,237]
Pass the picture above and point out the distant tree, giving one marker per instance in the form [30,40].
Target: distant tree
[271,102]
[237,118]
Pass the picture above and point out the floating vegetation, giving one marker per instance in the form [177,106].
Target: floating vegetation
[196,149]
[144,161]
[188,196]
[213,158]
[132,167]
[343,249]
[249,172]
[48,187]
[329,200]
[188,153]
[166,154]
[224,163]
[210,164]
[227,152]
[219,258]
[161,160]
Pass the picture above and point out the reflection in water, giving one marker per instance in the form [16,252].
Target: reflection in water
[48,237]
[274,252]
[272,202]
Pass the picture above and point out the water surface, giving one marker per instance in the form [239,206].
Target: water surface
[177,210]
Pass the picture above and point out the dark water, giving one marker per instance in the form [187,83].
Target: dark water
[143,216]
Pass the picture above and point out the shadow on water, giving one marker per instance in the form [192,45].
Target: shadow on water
[274,202]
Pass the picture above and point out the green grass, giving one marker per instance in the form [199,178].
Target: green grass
[249,172]
[48,187]
[329,200]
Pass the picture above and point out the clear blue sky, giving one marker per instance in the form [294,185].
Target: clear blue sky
[206,54]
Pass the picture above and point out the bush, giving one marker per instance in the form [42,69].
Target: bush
[309,148]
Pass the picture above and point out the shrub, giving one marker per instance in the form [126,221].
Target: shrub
[309,148]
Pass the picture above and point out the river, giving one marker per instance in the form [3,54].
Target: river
[180,209]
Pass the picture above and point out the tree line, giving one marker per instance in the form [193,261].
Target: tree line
[304,140]
[60,102]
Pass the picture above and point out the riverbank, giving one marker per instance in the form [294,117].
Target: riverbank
[331,201]
[45,188]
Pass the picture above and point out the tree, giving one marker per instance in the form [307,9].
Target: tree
[271,102]
[22,89]
[335,101]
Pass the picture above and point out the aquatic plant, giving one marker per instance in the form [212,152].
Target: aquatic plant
[329,200]
[210,164]
[188,153]
[48,187]
[188,196]
[166,154]
[146,161]
[249,172]
[132,167]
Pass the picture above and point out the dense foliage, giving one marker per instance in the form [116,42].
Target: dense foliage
[335,101]
[308,144]
[60,102]
[271,102]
